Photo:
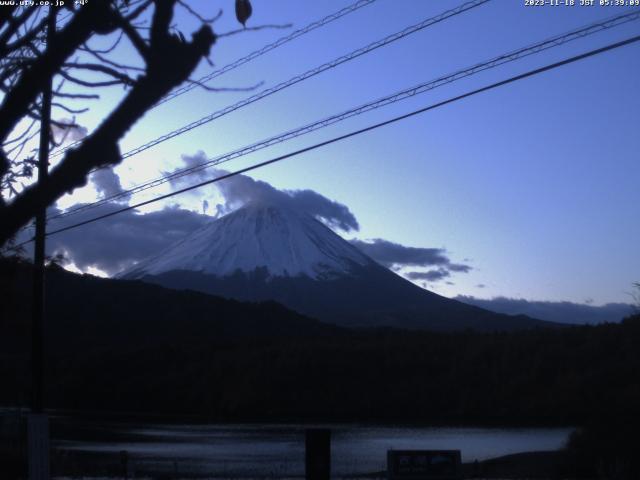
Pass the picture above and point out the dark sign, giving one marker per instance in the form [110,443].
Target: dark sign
[318,454]
[424,464]
[38,446]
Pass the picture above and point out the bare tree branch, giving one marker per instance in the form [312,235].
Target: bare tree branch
[21,136]
[107,61]
[86,96]
[14,25]
[96,67]
[169,60]
[24,40]
[69,109]
[89,83]
[134,37]
[254,29]
[107,50]
[138,10]
[194,13]
[16,102]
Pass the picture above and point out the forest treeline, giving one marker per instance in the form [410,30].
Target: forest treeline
[129,346]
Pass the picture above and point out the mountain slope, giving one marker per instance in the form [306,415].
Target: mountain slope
[285,242]
[86,312]
[561,312]
[267,252]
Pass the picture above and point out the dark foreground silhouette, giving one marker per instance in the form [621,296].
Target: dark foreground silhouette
[134,347]
[115,346]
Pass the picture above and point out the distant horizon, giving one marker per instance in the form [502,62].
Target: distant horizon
[383,253]
[597,312]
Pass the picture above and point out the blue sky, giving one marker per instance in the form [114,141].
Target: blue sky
[535,185]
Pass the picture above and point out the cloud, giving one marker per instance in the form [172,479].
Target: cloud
[396,257]
[71,133]
[242,189]
[116,242]
[107,183]
[563,312]
[458,267]
[392,254]
[335,214]
[190,162]
[430,275]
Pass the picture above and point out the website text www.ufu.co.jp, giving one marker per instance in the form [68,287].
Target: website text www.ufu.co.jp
[32,3]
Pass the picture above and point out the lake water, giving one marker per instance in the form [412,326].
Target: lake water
[278,450]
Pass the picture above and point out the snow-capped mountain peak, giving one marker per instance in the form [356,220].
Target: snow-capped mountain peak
[271,252]
[285,242]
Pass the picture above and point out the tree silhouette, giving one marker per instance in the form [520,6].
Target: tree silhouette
[28,64]
[636,297]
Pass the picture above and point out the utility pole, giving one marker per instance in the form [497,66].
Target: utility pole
[38,423]
[37,352]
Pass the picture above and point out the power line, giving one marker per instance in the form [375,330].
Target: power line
[251,56]
[387,100]
[309,74]
[306,75]
[267,48]
[492,86]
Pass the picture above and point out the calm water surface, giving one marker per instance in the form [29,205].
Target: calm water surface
[270,450]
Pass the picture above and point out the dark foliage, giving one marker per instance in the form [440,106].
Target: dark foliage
[606,447]
[129,346]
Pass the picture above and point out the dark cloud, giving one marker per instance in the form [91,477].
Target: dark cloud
[481,285]
[107,183]
[430,275]
[563,312]
[392,254]
[116,242]
[397,256]
[336,215]
[242,189]
[458,267]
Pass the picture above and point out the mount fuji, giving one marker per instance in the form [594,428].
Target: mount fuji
[272,252]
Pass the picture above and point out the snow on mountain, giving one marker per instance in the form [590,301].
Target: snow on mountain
[286,242]
[271,252]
